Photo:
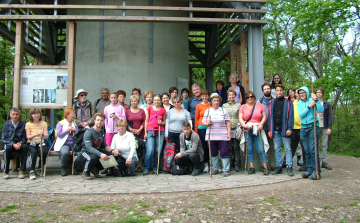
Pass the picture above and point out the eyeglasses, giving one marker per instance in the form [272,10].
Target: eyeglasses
[302,92]
[82,95]
[250,97]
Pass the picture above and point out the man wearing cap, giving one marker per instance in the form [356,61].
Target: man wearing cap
[83,110]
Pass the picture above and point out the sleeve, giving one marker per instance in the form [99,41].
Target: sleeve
[122,113]
[182,143]
[302,109]
[106,117]
[195,140]
[197,117]
[88,144]
[167,124]
[94,105]
[188,117]
[132,145]
[226,114]
[242,109]
[329,117]
[5,137]
[60,131]
[242,91]
[77,128]
[319,107]
[77,121]
[23,136]
[143,115]
[92,113]
[113,142]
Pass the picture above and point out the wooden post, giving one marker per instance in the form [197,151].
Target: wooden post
[245,75]
[18,61]
[71,62]
[238,66]
[232,58]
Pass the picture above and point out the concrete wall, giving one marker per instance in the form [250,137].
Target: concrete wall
[126,52]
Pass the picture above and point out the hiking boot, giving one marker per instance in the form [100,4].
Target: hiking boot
[87,175]
[237,168]
[251,170]
[32,175]
[266,171]
[104,171]
[303,168]
[63,172]
[278,170]
[206,167]
[145,173]
[326,166]
[96,173]
[305,175]
[196,172]
[6,176]
[225,174]
[313,176]
[290,171]
[21,174]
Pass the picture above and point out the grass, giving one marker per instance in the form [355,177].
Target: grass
[327,207]
[32,205]
[231,195]
[13,213]
[8,208]
[184,212]
[358,218]
[213,194]
[208,207]
[135,217]
[115,207]
[354,204]
[52,216]
[142,204]
[33,216]
[270,200]
[192,206]
[161,210]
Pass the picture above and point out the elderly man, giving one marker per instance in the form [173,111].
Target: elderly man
[101,103]
[83,110]
[14,139]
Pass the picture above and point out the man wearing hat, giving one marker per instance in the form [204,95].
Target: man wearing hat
[83,110]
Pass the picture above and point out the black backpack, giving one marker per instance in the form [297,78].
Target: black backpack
[78,139]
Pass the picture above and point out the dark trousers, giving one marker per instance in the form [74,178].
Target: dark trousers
[202,134]
[35,152]
[189,160]
[234,150]
[88,161]
[8,154]
[174,138]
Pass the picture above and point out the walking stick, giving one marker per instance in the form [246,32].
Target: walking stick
[41,156]
[210,162]
[112,116]
[157,171]
[315,137]
[263,150]
[246,150]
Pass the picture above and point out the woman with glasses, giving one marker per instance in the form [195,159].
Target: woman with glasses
[174,120]
[252,126]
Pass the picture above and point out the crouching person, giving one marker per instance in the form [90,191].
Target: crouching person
[124,147]
[95,148]
[14,140]
[191,151]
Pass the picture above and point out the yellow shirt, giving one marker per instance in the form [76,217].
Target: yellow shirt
[35,129]
[297,123]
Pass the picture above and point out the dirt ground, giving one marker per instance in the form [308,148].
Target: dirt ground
[335,198]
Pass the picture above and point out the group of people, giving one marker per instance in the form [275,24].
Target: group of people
[193,124]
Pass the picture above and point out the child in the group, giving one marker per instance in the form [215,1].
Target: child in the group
[113,112]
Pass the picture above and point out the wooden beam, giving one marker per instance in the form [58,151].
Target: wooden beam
[129,19]
[45,67]
[18,61]
[71,62]
[232,58]
[245,75]
[238,63]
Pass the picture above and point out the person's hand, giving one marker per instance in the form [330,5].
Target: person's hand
[178,156]
[128,161]
[229,136]
[270,135]
[104,156]
[288,133]
[41,132]
[166,138]
[329,131]
[208,122]
[312,104]
[115,152]
[145,136]
[159,121]
[260,126]
[17,146]
[313,96]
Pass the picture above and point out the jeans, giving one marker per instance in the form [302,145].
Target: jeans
[202,134]
[65,152]
[287,145]
[255,139]
[308,140]
[152,146]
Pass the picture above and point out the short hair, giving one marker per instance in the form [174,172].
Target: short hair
[163,94]
[100,114]
[186,124]
[320,89]
[185,90]
[121,92]
[266,76]
[250,93]
[280,86]
[178,98]
[262,86]
[14,109]
[232,74]
[221,83]
[171,89]
[105,89]
[134,97]
[148,92]
[121,122]
[68,111]
[231,90]
[195,85]
[34,111]
[136,89]
[205,92]
[115,93]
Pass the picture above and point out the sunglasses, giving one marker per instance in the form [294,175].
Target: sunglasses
[250,97]
[82,95]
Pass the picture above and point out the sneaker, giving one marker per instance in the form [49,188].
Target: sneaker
[206,167]
[305,175]
[225,174]
[6,176]
[290,171]
[303,168]
[326,166]
[278,170]
[96,173]
[196,172]
[21,174]
[145,173]
[87,176]
[266,171]
[314,177]
[63,172]
[32,175]
[237,168]
[251,170]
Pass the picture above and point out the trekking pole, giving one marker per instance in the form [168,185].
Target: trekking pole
[157,171]
[246,150]
[263,150]
[112,116]
[315,137]
[210,163]
[41,156]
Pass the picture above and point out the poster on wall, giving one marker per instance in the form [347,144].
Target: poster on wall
[182,83]
[43,87]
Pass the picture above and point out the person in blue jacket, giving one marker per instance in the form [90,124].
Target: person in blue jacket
[281,115]
[306,109]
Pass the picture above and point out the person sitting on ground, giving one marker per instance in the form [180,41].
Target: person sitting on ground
[66,128]
[124,146]
[14,139]
[36,132]
[83,110]
[121,99]
[165,97]
[173,91]
[191,151]
[95,148]
[101,103]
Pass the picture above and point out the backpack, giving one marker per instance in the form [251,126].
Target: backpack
[169,155]
[50,140]
[179,170]
[122,166]
[78,138]
[140,146]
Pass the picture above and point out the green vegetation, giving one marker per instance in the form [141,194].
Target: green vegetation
[161,210]
[8,208]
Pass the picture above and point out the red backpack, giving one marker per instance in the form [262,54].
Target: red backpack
[169,155]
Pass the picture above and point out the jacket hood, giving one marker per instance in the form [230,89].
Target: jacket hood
[307,92]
